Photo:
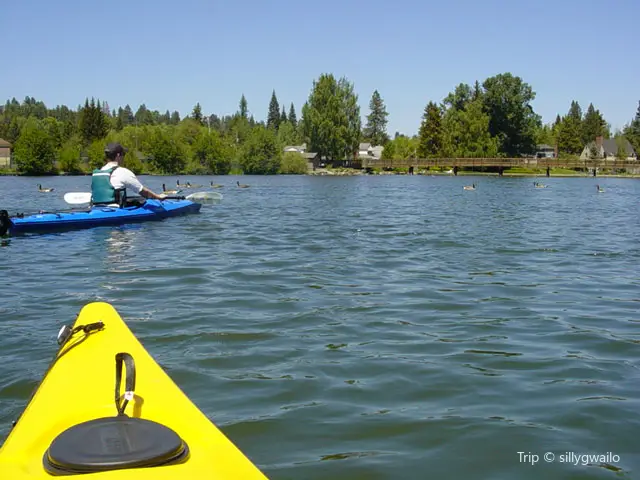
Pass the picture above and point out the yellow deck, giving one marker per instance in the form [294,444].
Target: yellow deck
[80,387]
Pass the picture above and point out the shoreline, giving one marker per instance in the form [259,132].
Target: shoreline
[352,173]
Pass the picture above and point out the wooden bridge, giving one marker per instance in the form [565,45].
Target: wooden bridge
[502,163]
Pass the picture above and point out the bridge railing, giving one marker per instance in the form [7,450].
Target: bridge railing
[500,162]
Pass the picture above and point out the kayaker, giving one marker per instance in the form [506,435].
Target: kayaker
[109,184]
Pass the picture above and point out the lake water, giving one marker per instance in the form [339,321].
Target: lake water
[370,327]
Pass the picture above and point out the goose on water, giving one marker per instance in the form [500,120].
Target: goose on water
[242,185]
[469,187]
[40,189]
[600,190]
[169,192]
[216,185]
[186,185]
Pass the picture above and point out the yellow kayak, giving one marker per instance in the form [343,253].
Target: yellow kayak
[105,409]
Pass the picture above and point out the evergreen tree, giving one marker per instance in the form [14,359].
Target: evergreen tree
[93,123]
[283,116]
[292,116]
[143,116]
[128,118]
[632,131]
[459,98]
[430,133]
[575,111]
[593,125]
[570,131]
[273,118]
[376,129]
[244,108]
[197,113]
[477,90]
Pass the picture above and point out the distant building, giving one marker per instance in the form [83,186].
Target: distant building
[312,158]
[545,151]
[366,150]
[296,148]
[607,149]
[5,154]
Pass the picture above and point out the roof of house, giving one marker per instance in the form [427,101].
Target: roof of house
[610,146]
[310,155]
[364,147]
[544,146]
[295,147]
[4,143]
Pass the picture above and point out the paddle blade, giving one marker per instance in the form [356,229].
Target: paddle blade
[210,198]
[77,198]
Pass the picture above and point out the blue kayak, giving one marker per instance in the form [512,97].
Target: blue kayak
[96,216]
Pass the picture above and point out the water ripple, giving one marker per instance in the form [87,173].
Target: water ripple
[365,327]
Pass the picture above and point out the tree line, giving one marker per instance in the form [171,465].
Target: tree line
[496,119]
[489,119]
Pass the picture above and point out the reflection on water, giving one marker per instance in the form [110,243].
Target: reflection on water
[121,244]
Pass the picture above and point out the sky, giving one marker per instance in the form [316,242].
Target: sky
[171,54]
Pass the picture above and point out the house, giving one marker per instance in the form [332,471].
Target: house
[312,158]
[5,154]
[363,149]
[607,148]
[296,148]
[376,152]
[545,151]
[366,150]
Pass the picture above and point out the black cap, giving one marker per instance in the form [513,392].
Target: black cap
[115,148]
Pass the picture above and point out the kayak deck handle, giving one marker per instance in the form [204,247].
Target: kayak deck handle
[125,359]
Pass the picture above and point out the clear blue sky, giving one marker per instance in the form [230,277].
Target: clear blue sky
[172,54]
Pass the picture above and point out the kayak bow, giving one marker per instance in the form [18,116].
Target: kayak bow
[97,216]
[71,425]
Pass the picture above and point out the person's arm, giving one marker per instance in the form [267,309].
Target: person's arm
[146,193]
[130,180]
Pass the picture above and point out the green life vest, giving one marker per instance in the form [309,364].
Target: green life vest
[101,189]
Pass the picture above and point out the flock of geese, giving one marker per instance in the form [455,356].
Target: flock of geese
[164,188]
[182,186]
[535,184]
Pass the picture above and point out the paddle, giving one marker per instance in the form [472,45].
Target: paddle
[79,198]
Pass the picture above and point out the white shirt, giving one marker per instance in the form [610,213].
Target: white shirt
[123,178]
